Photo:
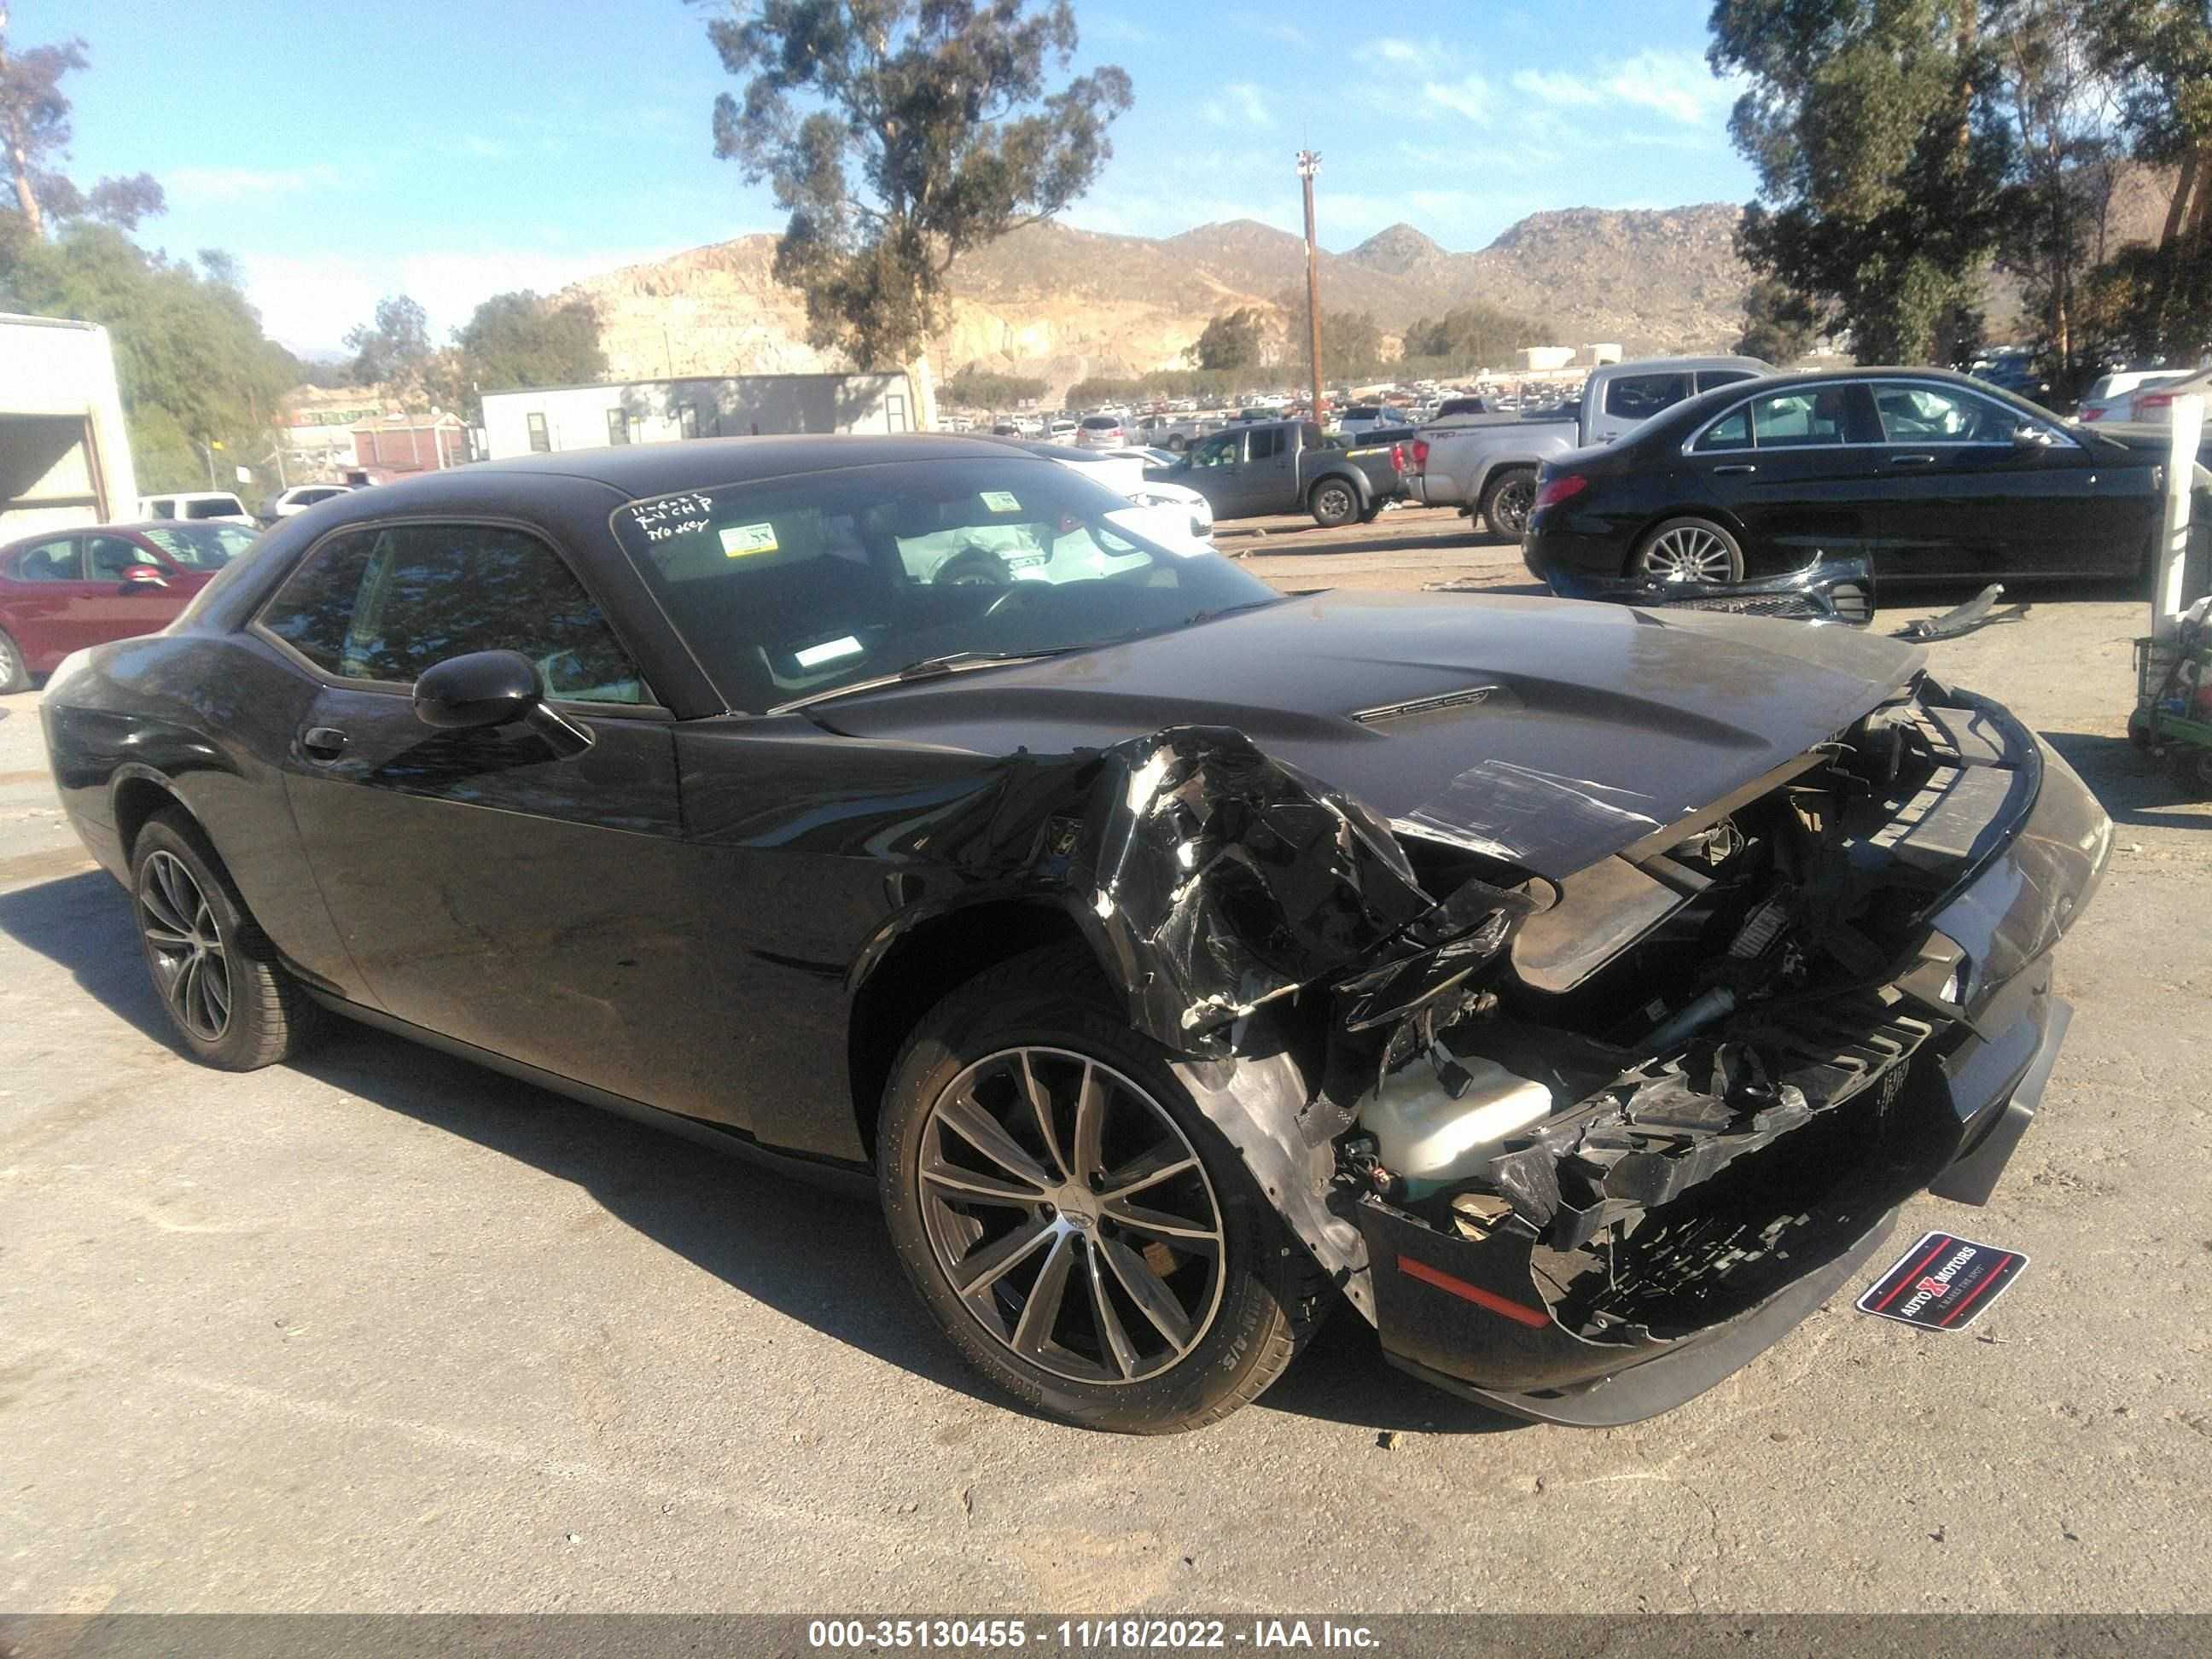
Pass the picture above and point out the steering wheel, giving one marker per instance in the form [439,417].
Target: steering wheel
[973,566]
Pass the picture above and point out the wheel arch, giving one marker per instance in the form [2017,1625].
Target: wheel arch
[1362,489]
[1726,520]
[138,794]
[908,970]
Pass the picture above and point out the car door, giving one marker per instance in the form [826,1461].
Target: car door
[109,605]
[487,886]
[1216,471]
[1976,488]
[1271,470]
[46,579]
[1795,471]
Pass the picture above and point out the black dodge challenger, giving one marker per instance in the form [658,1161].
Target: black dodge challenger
[1575,990]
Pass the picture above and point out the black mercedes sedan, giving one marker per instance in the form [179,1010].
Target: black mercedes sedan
[1575,991]
[1930,475]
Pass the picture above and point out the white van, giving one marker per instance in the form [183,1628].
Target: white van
[219,505]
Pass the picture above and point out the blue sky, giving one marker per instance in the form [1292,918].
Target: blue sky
[454,150]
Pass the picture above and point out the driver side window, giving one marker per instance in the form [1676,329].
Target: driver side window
[1224,450]
[382,606]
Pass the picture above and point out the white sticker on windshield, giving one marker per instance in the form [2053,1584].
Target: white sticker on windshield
[1165,527]
[739,539]
[814,656]
[1000,501]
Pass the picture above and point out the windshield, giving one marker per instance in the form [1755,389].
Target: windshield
[214,507]
[788,589]
[200,546]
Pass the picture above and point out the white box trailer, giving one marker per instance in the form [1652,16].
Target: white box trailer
[64,453]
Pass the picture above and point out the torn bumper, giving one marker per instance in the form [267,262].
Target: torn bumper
[1828,591]
[1478,1314]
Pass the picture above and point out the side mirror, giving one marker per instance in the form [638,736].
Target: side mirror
[145,575]
[493,688]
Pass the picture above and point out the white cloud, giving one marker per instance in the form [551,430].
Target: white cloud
[1556,87]
[1471,96]
[1390,49]
[1677,84]
[197,187]
[309,303]
[1244,106]
[1118,32]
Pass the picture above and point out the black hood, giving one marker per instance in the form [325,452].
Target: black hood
[1548,732]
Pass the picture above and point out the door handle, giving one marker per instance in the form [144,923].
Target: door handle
[1913,460]
[1735,466]
[323,743]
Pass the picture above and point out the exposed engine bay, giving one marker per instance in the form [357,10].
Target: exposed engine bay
[1702,1045]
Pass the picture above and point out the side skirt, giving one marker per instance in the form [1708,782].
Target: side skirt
[833,1174]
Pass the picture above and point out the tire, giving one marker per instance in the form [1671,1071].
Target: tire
[232,1005]
[1334,503]
[1236,1310]
[1677,548]
[1176,442]
[1372,511]
[1508,500]
[14,675]
[2192,768]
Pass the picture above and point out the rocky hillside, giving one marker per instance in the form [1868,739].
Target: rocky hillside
[1063,304]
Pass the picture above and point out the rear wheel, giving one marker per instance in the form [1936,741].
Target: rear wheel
[1334,503]
[2192,767]
[1689,550]
[14,675]
[231,1003]
[1084,1236]
[1175,442]
[1507,501]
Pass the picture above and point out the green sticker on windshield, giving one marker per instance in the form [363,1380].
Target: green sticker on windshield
[1000,501]
[739,539]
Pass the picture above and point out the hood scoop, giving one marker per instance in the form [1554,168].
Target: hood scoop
[1466,697]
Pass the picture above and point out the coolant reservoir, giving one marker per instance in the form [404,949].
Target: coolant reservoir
[1429,1140]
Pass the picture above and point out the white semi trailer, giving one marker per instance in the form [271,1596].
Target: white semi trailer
[65,455]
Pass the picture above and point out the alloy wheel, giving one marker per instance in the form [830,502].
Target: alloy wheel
[1335,502]
[9,666]
[190,968]
[1688,553]
[1071,1216]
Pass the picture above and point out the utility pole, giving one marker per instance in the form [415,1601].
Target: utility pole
[1309,165]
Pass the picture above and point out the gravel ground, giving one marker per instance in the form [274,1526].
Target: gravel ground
[382,1331]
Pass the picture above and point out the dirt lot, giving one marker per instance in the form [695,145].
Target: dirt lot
[383,1331]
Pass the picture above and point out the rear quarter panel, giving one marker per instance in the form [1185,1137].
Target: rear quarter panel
[207,718]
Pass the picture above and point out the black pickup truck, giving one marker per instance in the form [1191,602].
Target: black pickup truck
[1287,466]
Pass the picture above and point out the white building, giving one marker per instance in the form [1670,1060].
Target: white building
[64,453]
[1607,351]
[1542,358]
[549,419]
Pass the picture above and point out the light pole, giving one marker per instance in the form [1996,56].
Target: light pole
[1309,165]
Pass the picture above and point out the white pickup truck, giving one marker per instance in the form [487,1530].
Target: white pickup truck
[1487,464]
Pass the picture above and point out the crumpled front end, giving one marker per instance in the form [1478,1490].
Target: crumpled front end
[1826,1000]
[1750,1029]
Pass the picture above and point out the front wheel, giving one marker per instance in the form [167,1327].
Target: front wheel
[1334,503]
[1689,550]
[1081,1232]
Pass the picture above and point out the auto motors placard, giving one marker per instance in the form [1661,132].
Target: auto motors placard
[1943,1282]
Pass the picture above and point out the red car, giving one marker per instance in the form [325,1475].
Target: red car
[63,590]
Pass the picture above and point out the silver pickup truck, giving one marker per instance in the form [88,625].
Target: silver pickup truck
[1487,464]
